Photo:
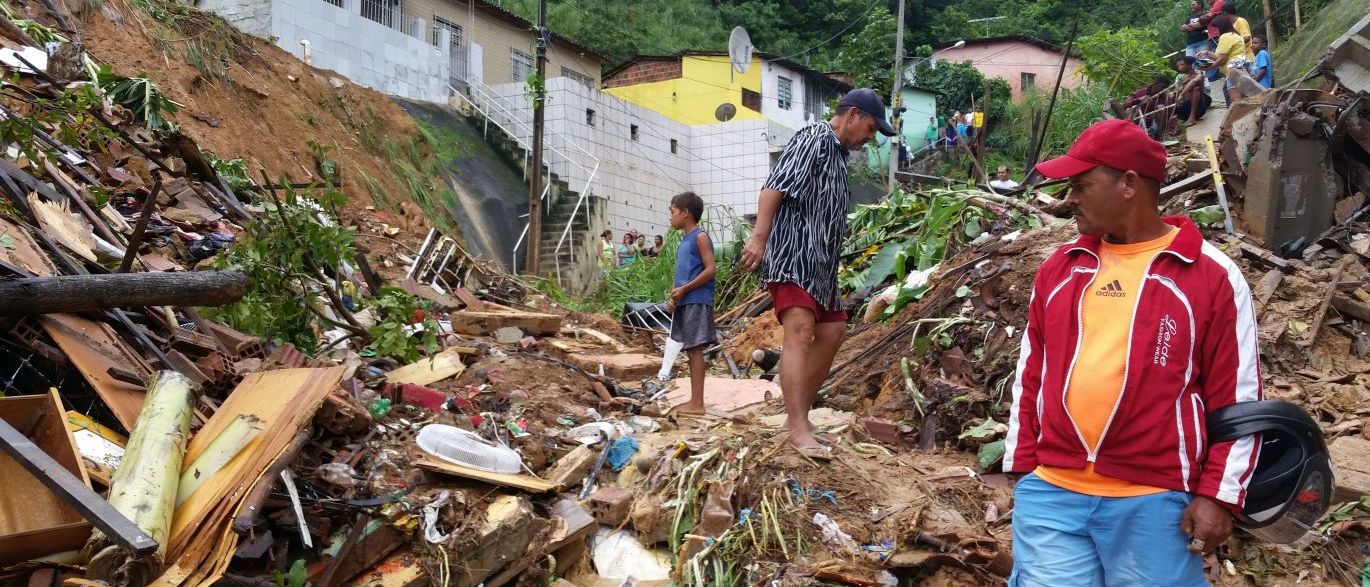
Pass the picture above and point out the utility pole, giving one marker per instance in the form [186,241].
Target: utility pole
[1269,25]
[896,98]
[535,177]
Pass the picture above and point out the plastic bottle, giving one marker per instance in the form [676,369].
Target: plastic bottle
[379,408]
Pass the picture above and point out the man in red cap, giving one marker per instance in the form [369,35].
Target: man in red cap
[1136,330]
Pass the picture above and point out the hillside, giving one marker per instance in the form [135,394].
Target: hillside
[1301,51]
[267,107]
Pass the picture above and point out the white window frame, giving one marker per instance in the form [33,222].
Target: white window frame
[784,92]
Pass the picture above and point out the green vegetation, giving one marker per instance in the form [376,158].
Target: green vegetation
[1122,60]
[1296,55]
[1075,110]
[292,255]
[35,30]
[139,96]
[913,231]
[207,42]
[649,279]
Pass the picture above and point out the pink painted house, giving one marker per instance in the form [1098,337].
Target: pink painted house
[1023,62]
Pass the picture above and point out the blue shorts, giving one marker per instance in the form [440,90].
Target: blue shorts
[1065,538]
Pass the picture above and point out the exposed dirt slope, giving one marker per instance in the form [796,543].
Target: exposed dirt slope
[270,108]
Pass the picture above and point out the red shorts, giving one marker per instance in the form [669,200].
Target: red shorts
[790,295]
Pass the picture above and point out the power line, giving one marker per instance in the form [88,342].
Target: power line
[865,13]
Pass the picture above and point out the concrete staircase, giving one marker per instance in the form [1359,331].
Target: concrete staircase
[571,262]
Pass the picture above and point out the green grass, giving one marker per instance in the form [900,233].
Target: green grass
[1295,55]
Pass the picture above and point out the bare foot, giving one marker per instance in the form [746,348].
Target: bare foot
[808,446]
[690,409]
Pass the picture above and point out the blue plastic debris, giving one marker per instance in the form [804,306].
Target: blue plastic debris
[813,493]
[884,550]
[621,452]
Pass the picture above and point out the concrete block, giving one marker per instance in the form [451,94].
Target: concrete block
[610,505]
[1351,458]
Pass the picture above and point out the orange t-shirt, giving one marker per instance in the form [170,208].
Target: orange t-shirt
[1097,380]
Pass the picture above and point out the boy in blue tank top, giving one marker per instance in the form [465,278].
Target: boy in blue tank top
[692,293]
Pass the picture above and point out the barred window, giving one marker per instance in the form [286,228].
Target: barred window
[577,76]
[784,93]
[520,65]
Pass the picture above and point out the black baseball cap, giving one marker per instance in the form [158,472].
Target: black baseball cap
[866,100]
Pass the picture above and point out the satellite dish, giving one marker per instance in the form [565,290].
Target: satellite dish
[725,112]
[740,50]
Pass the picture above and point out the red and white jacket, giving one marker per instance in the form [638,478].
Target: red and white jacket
[1192,349]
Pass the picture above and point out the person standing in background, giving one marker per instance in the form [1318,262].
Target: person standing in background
[1196,35]
[1260,69]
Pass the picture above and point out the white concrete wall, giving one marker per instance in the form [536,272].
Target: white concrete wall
[358,48]
[770,95]
[724,163]
[250,16]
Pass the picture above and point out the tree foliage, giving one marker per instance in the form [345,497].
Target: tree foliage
[961,85]
[868,58]
[1121,60]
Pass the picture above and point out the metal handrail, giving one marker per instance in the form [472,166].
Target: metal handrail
[572,220]
[498,102]
[509,114]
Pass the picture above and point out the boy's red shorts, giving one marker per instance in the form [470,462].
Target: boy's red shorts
[790,295]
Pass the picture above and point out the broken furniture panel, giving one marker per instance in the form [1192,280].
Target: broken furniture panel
[94,349]
[35,521]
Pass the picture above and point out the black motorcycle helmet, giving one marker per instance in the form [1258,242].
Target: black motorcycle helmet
[1291,488]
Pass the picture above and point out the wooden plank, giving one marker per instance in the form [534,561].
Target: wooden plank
[94,348]
[524,482]
[1321,313]
[1351,307]
[1266,288]
[202,540]
[26,252]
[597,335]
[1194,181]
[427,371]
[30,524]
[1351,457]
[469,299]
[483,322]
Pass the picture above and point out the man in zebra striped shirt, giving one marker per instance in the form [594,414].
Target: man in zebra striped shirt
[797,242]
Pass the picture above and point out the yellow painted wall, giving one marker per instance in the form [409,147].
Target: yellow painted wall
[705,82]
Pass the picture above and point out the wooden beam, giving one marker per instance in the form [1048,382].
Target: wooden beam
[83,293]
[524,482]
[1188,183]
[477,322]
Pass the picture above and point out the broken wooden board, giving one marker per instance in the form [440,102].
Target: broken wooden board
[101,449]
[1192,182]
[624,366]
[94,348]
[64,227]
[402,569]
[1351,459]
[723,393]
[202,540]
[596,335]
[25,253]
[484,322]
[572,468]
[430,370]
[524,482]
[34,520]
